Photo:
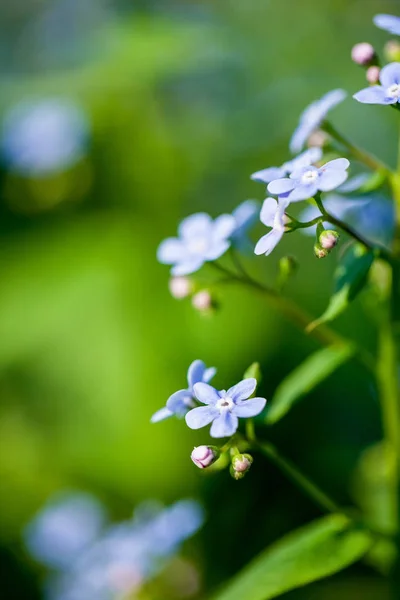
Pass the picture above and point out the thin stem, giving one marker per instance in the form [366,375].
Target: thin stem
[361,155]
[320,498]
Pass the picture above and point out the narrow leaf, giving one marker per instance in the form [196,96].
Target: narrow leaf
[306,377]
[350,277]
[317,550]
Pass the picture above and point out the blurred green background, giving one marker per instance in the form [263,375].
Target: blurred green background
[184,100]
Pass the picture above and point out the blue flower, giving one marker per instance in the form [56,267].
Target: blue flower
[309,157]
[312,118]
[307,181]
[180,402]
[245,215]
[200,239]
[224,408]
[388,92]
[388,22]
[272,215]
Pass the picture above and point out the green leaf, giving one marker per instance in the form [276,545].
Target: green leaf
[350,277]
[317,550]
[254,370]
[306,377]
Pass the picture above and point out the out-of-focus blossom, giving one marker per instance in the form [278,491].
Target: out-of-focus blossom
[363,53]
[313,117]
[307,181]
[43,137]
[309,157]
[386,93]
[180,287]
[203,301]
[200,240]
[224,408]
[183,400]
[245,215]
[388,23]
[272,215]
[66,525]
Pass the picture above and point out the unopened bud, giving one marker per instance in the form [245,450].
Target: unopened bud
[328,239]
[392,51]
[203,301]
[363,54]
[319,251]
[204,456]
[241,464]
[373,74]
[180,287]
[318,139]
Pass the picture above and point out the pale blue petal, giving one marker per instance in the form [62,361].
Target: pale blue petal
[390,74]
[268,211]
[246,214]
[195,372]
[300,136]
[268,242]
[354,183]
[218,249]
[302,192]
[180,402]
[337,163]
[388,22]
[188,266]
[206,393]
[225,425]
[373,95]
[250,408]
[161,414]
[331,179]
[209,374]
[267,175]
[201,416]
[170,251]
[242,390]
[195,225]
[304,159]
[280,186]
[223,227]
[330,100]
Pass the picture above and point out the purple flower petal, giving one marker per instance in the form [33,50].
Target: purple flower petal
[188,266]
[194,225]
[330,179]
[388,22]
[268,242]
[161,414]
[337,163]
[267,175]
[224,426]
[373,95]
[206,393]
[280,186]
[242,390]
[250,408]
[170,251]
[180,402]
[217,250]
[195,372]
[201,416]
[209,374]
[302,192]
[223,227]
[390,74]
[268,211]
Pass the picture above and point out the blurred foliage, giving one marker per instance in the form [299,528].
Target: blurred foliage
[185,100]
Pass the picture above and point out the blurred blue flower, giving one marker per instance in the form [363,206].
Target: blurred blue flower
[224,408]
[309,157]
[43,137]
[371,215]
[245,215]
[180,402]
[200,239]
[65,526]
[307,181]
[388,92]
[313,117]
[272,215]
[388,22]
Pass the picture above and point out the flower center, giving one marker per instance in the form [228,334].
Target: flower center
[225,404]
[393,91]
[197,245]
[309,176]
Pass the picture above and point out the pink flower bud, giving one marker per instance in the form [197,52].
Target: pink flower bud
[180,287]
[202,301]
[204,456]
[372,74]
[241,463]
[320,252]
[318,139]
[328,239]
[363,54]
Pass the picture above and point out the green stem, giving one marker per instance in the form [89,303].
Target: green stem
[357,153]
